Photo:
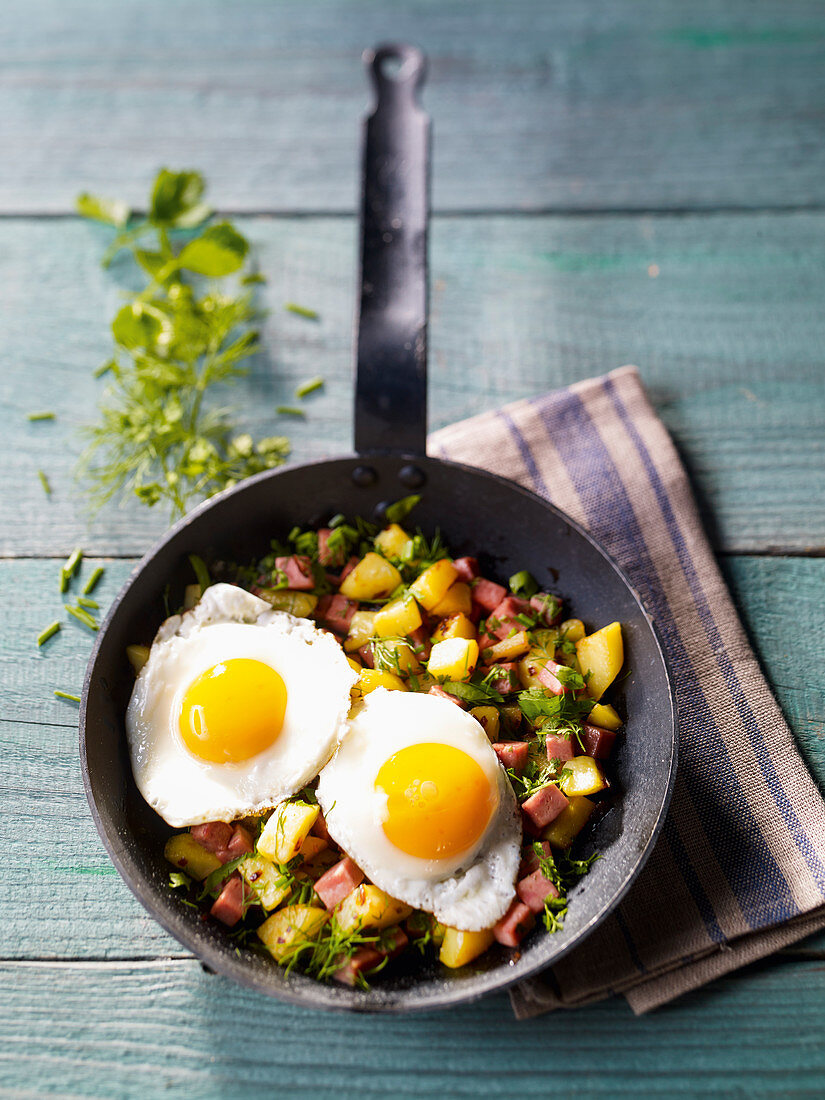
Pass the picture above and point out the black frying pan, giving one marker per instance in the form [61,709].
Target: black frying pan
[478,513]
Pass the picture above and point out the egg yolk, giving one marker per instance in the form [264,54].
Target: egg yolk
[233,711]
[439,801]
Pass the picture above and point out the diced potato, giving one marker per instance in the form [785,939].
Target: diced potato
[509,648]
[572,630]
[454,626]
[185,852]
[300,604]
[371,678]
[529,668]
[398,618]
[311,847]
[563,831]
[289,927]
[191,595]
[605,716]
[394,541]
[361,629]
[355,665]
[432,586]
[601,655]
[395,655]
[373,578]
[453,659]
[369,907]
[460,948]
[265,881]
[580,776]
[488,717]
[457,598]
[511,717]
[286,830]
[138,656]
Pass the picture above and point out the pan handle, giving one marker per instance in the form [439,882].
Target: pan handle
[391,334]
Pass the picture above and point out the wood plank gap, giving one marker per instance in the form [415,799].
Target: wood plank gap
[145,962]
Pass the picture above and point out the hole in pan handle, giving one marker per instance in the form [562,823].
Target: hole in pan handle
[391,329]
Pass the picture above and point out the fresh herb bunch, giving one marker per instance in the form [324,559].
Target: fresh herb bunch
[158,436]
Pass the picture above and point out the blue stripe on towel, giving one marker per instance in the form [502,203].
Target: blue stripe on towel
[738,844]
[778,792]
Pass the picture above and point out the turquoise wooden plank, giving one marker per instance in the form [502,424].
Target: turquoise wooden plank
[60,897]
[602,103]
[161,1029]
[518,306]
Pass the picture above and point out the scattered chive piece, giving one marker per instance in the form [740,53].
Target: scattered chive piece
[337,520]
[83,602]
[74,559]
[67,695]
[40,416]
[92,581]
[301,311]
[289,410]
[49,632]
[309,387]
[201,572]
[104,368]
[44,481]
[82,616]
[64,580]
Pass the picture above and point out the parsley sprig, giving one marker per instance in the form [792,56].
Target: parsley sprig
[160,434]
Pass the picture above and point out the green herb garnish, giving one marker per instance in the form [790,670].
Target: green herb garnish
[40,416]
[290,410]
[306,388]
[48,632]
[93,579]
[201,572]
[83,601]
[301,311]
[44,481]
[67,695]
[82,616]
[400,509]
[523,584]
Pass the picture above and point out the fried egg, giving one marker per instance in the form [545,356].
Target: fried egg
[237,708]
[418,798]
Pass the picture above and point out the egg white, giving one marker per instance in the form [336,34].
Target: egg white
[230,623]
[470,891]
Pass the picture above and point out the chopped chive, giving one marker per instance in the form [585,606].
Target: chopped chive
[337,520]
[309,387]
[82,616]
[67,695]
[201,572]
[44,481]
[252,278]
[301,311]
[83,602]
[64,580]
[41,416]
[49,632]
[92,581]
[290,410]
[74,559]
[104,368]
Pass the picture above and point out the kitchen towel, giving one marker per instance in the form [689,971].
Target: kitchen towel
[739,868]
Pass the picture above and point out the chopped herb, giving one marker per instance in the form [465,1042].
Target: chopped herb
[570,678]
[40,416]
[73,561]
[49,632]
[290,410]
[104,368]
[93,579]
[83,601]
[44,481]
[523,584]
[337,520]
[67,695]
[301,311]
[177,878]
[309,387]
[400,509]
[201,572]
[538,704]
[475,691]
[82,616]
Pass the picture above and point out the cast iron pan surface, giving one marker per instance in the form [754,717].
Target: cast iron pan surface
[479,514]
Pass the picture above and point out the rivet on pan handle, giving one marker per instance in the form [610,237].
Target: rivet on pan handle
[391,340]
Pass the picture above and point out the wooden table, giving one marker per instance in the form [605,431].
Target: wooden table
[615,181]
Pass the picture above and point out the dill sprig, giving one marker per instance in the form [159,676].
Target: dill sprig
[160,435]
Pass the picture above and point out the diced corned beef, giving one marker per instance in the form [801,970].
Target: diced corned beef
[597,742]
[534,889]
[214,835]
[467,568]
[514,925]
[547,675]
[421,643]
[366,656]
[506,677]
[319,828]
[529,826]
[488,593]
[228,906]
[330,559]
[512,754]
[298,570]
[436,690]
[545,805]
[558,747]
[477,612]
[529,859]
[348,568]
[334,885]
[365,958]
[240,842]
[547,606]
[503,618]
[335,612]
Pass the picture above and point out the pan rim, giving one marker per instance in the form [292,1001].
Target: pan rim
[318,995]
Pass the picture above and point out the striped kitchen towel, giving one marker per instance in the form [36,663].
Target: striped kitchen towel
[739,869]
